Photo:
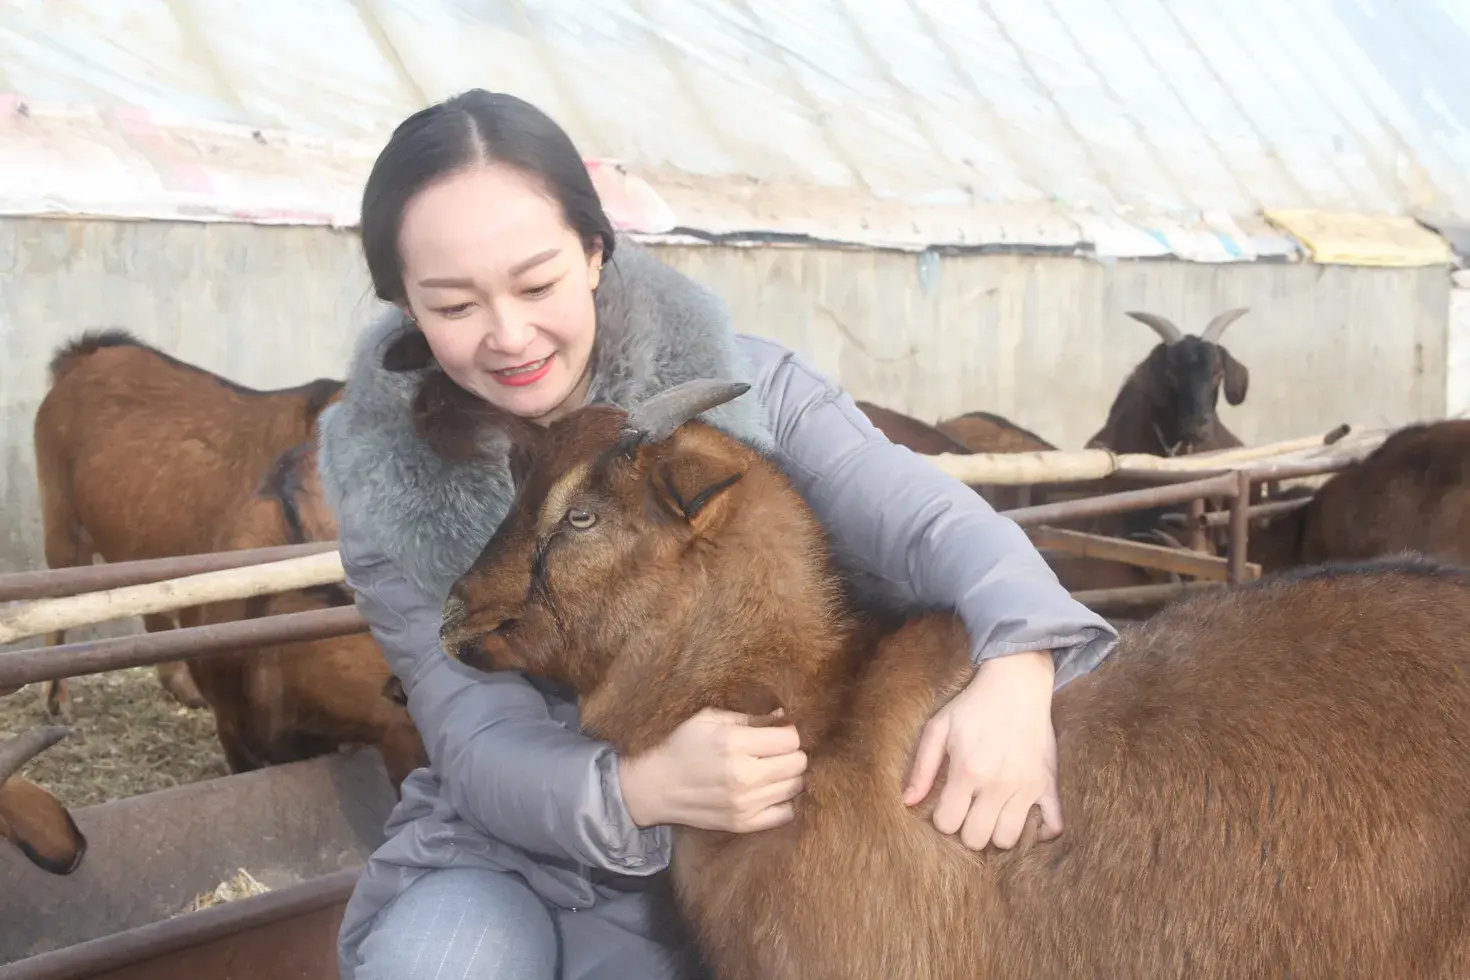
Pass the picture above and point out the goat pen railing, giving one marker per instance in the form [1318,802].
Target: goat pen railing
[65,596]
[1191,483]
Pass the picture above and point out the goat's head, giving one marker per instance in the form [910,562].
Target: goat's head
[1183,376]
[31,818]
[635,551]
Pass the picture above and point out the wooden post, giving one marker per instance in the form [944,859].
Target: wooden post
[1240,527]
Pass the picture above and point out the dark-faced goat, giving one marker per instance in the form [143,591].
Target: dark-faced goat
[1166,406]
[1267,780]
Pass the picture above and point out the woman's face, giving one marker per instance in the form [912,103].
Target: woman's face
[502,289]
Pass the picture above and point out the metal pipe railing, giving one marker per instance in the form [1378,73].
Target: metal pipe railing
[53,583]
[145,649]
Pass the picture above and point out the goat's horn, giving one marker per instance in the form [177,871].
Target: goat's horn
[1167,332]
[23,748]
[1217,326]
[656,419]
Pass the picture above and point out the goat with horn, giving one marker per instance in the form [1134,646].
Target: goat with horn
[1167,404]
[532,849]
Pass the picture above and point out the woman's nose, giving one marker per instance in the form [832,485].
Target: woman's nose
[510,334]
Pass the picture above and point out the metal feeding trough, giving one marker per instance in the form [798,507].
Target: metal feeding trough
[302,830]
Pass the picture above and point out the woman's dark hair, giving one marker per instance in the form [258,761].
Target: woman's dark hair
[474,127]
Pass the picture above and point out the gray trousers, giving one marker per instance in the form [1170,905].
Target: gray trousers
[463,923]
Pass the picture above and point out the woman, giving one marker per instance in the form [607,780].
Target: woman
[528,849]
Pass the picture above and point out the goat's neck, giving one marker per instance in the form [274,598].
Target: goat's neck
[793,648]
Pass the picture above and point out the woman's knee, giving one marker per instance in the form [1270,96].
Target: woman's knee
[456,923]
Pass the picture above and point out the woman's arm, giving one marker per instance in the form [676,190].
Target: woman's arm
[916,527]
[505,765]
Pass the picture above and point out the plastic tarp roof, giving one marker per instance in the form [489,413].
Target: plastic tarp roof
[1121,127]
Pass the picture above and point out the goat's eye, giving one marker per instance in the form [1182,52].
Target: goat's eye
[581,519]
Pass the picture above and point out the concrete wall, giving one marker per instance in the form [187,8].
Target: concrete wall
[1040,340]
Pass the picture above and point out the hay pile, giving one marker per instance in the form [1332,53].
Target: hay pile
[129,737]
[243,885]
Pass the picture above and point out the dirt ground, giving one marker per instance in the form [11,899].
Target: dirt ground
[128,737]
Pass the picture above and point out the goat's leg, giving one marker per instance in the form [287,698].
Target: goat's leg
[67,545]
[174,675]
[403,752]
[58,691]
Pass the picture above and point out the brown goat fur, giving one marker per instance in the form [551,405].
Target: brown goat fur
[293,701]
[30,817]
[986,432]
[1412,493]
[138,455]
[1265,780]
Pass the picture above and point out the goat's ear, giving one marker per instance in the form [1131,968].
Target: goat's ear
[695,486]
[1237,378]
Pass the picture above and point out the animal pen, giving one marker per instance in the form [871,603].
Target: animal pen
[125,912]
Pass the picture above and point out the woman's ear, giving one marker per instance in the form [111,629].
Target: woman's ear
[594,264]
[409,349]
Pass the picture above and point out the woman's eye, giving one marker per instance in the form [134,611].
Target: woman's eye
[536,292]
[581,519]
[452,312]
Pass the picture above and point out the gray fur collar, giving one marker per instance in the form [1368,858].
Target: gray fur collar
[431,517]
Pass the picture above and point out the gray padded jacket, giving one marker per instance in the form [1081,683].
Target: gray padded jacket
[513,785]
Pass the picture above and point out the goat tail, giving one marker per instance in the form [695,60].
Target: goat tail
[69,354]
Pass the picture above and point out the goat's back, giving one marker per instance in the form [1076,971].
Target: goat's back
[1288,757]
[148,451]
[1411,494]
[983,432]
[904,430]
[1270,780]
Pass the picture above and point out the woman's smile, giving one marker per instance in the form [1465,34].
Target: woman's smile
[524,374]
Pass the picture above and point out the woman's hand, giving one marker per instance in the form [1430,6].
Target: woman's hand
[716,772]
[1002,753]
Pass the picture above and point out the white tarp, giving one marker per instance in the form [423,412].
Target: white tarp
[1133,127]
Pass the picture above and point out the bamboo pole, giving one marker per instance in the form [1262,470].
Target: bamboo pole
[53,582]
[48,615]
[1065,466]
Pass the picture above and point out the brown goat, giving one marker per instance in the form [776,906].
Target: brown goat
[138,455]
[986,432]
[1269,780]
[1412,493]
[293,701]
[30,817]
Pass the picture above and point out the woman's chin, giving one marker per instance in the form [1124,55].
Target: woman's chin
[533,401]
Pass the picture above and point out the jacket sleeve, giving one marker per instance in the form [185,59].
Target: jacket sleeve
[503,762]
[918,529]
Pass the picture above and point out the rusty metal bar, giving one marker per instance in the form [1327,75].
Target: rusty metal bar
[1240,531]
[56,582]
[1259,511]
[1199,536]
[1117,503]
[107,953]
[144,649]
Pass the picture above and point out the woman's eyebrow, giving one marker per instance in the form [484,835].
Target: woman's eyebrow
[515,270]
